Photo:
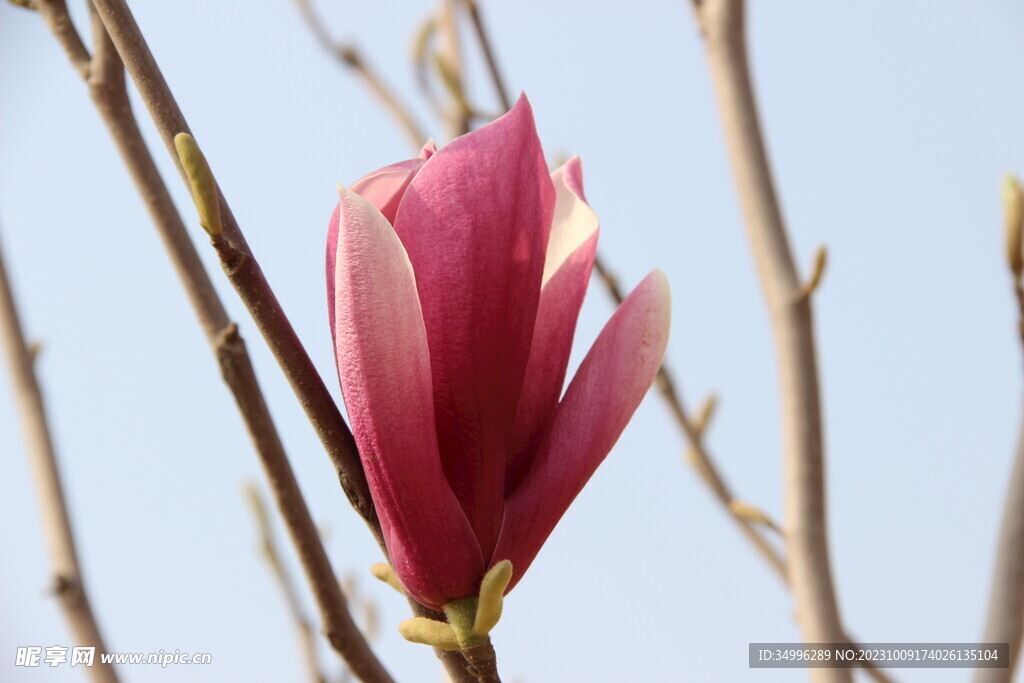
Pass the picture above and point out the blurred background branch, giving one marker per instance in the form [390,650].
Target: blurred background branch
[1005,622]
[68,585]
[272,556]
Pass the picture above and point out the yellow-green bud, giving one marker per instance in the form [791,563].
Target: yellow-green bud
[200,177]
[491,599]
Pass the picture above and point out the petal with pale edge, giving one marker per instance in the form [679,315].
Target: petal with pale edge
[384,189]
[475,222]
[384,367]
[607,388]
[570,258]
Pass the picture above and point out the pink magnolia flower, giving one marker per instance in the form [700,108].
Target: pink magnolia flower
[454,282]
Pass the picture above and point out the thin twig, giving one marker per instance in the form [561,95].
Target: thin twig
[272,556]
[803,460]
[105,78]
[348,55]
[60,541]
[459,115]
[702,461]
[485,45]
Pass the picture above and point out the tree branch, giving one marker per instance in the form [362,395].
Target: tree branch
[305,381]
[791,316]
[105,78]
[60,541]
[488,50]
[339,627]
[309,387]
[1005,621]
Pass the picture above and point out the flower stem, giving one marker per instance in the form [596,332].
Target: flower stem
[481,660]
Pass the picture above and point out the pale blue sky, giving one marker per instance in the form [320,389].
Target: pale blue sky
[890,127]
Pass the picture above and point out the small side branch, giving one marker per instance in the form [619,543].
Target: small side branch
[60,541]
[699,457]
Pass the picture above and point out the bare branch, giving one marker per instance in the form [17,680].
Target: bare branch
[803,460]
[107,88]
[307,384]
[269,550]
[349,56]
[1005,621]
[60,541]
[55,14]
[319,406]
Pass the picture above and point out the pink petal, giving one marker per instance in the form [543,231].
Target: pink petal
[475,222]
[384,367]
[570,258]
[607,389]
[384,189]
